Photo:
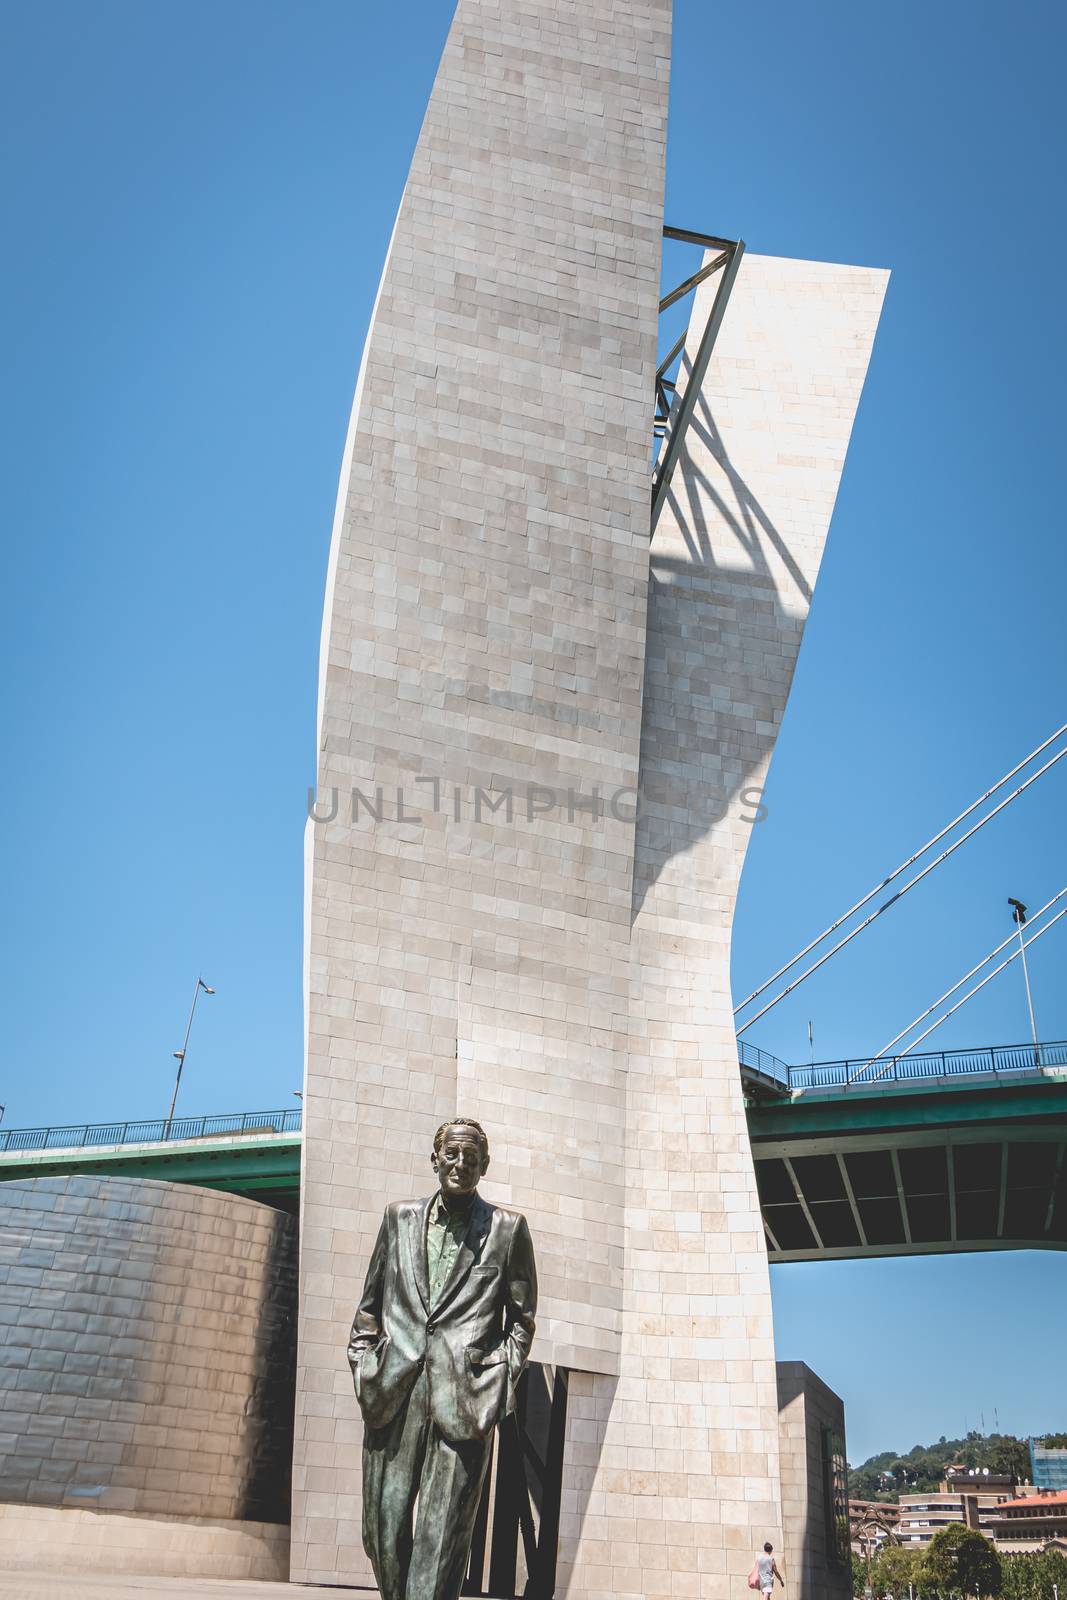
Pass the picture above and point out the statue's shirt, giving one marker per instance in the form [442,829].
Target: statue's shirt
[444,1235]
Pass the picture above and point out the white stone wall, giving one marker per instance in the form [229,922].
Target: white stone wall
[806,1406]
[487,611]
[679,1475]
[56,1540]
[495,622]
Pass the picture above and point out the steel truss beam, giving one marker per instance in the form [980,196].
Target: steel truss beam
[1055,1186]
[934,1248]
[674,410]
[1000,1195]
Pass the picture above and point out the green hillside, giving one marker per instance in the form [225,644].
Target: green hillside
[890,1473]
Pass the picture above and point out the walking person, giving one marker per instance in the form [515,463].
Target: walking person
[764,1572]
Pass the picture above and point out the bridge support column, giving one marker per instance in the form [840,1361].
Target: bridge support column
[468,932]
[490,930]
[688,1479]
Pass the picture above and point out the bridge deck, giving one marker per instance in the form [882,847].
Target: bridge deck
[930,1160]
[264,1166]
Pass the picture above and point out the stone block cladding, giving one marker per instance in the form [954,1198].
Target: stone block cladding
[52,1540]
[147,1350]
[485,630]
[806,1408]
[495,626]
[677,1476]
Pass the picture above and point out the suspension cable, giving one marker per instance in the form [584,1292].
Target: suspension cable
[904,865]
[853,1077]
[893,898]
[1026,943]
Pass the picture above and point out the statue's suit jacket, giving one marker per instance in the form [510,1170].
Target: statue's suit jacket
[473,1342]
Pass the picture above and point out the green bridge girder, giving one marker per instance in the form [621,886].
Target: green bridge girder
[906,1171]
[900,1170]
[263,1166]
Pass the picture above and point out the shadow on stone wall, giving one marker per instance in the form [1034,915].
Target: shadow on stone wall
[268,1447]
[720,653]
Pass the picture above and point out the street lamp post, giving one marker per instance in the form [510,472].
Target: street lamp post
[1018,916]
[179,1055]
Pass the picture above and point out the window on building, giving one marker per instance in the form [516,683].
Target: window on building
[835,1469]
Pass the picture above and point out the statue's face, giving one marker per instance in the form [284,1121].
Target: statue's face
[458,1164]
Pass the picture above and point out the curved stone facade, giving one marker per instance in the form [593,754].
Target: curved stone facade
[674,1465]
[493,927]
[148,1348]
[482,653]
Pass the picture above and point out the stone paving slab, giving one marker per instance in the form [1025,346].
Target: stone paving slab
[103,1586]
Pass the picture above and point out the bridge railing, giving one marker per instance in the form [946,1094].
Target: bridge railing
[931,1064]
[995,1061]
[763,1063]
[86,1135]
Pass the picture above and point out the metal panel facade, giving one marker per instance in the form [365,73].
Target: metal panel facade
[148,1348]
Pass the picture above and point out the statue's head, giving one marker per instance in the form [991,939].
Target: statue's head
[460,1156]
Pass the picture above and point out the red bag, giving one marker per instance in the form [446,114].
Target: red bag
[753,1577]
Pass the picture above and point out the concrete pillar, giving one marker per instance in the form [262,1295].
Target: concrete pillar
[504,664]
[483,648]
[688,1482]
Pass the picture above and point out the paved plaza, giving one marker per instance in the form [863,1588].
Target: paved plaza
[101,1586]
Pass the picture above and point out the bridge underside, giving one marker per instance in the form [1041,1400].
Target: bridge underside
[900,1173]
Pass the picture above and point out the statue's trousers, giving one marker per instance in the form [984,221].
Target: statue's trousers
[410,1458]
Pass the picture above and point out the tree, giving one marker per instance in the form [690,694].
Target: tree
[1052,1569]
[958,1558]
[1010,1456]
[1030,1575]
[892,1569]
[1020,1577]
[859,1576]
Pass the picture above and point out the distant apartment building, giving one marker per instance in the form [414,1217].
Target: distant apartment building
[1048,1466]
[970,1495]
[1031,1521]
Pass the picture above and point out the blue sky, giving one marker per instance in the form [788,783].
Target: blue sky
[199,200]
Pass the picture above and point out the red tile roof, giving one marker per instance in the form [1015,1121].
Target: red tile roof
[1057,1500]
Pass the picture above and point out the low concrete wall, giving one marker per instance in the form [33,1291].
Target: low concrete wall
[53,1540]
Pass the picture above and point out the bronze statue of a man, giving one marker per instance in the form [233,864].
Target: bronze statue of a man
[438,1345]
